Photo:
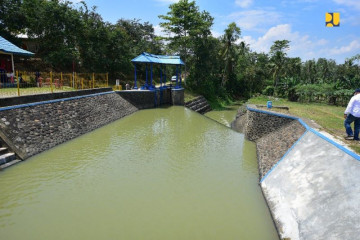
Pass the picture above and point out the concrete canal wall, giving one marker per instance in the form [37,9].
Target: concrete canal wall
[33,124]
[144,99]
[311,184]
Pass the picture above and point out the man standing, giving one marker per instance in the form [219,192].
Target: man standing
[352,114]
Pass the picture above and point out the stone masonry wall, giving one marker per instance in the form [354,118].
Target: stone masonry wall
[260,124]
[273,135]
[31,130]
[272,147]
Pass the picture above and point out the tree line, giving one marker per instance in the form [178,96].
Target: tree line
[219,68]
[69,35]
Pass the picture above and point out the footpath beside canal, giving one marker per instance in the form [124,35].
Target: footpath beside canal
[311,184]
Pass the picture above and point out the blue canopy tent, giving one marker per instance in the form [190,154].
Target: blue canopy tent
[8,49]
[163,60]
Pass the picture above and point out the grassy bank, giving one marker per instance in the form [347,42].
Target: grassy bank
[188,95]
[216,103]
[330,118]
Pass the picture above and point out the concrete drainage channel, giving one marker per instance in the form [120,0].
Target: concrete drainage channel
[311,184]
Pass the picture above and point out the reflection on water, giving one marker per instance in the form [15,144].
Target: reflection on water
[157,174]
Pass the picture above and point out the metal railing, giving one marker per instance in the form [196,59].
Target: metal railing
[28,83]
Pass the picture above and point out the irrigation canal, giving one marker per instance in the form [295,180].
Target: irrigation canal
[165,173]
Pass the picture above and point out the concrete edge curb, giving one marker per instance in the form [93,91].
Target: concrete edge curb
[177,89]
[347,151]
[52,101]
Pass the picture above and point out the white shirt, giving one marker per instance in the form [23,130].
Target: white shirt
[353,107]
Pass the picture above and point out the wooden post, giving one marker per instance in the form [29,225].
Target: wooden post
[82,83]
[12,62]
[135,81]
[61,80]
[75,82]
[51,86]
[93,80]
[107,79]
[18,82]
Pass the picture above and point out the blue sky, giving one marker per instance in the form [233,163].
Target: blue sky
[262,22]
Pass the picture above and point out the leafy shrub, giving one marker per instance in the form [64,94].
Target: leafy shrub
[323,93]
[341,97]
[269,91]
[292,95]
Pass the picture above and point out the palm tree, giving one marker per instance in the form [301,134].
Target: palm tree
[229,51]
[278,59]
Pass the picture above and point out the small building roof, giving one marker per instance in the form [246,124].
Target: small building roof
[8,47]
[159,59]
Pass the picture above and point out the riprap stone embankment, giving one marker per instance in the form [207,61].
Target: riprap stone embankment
[29,130]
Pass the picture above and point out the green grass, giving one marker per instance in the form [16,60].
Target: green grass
[330,118]
[355,147]
[188,95]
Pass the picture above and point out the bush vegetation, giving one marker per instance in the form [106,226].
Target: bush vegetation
[221,69]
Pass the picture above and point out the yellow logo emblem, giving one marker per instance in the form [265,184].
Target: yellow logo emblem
[332,19]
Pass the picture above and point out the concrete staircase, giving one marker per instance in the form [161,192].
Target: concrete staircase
[199,104]
[7,158]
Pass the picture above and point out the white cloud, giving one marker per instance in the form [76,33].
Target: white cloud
[243,3]
[216,34]
[350,20]
[322,42]
[279,32]
[300,45]
[250,20]
[307,1]
[349,3]
[351,47]
[160,31]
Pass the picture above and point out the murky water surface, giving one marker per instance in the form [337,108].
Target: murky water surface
[156,174]
[224,116]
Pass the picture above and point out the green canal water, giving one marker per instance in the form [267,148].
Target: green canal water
[224,116]
[157,174]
